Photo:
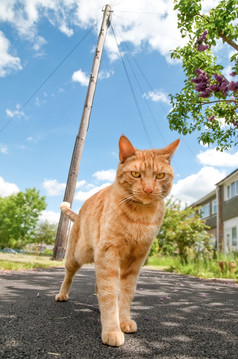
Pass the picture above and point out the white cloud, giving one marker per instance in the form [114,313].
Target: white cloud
[104,74]
[215,158]
[64,28]
[82,196]
[8,62]
[105,175]
[4,149]
[195,186]
[208,5]
[81,77]
[7,188]
[156,27]
[50,216]
[157,96]
[17,113]
[53,187]
[38,43]
[80,183]
[226,72]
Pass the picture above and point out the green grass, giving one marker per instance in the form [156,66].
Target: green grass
[201,269]
[23,262]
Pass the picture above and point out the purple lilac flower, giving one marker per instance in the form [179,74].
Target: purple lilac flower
[235,124]
[205,94]
[233,74]
[202,83]
[201,86]
[202,47]
[202,37]
[224,86]
[212,118]
[214,88]
[219,78]
[200,72]
[197,80]
[233,86]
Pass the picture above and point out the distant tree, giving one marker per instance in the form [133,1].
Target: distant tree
[209,102]
[19,215]
[182,231]
[45,233]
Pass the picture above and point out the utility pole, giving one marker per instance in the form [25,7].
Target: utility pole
[60,242]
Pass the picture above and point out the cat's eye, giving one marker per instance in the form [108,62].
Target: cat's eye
[135,174]
[160,175]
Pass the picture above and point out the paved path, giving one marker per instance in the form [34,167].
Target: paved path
[177,317]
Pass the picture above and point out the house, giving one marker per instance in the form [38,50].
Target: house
[220,210]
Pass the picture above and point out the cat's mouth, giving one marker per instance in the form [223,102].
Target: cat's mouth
[137,201]
[144,200]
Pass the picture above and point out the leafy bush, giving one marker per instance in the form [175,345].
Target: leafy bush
[182,233]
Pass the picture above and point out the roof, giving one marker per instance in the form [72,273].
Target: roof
[211,194]
[204,198]
[226,178]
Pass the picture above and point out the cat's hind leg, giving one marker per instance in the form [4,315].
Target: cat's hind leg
[71,265]
[70,270]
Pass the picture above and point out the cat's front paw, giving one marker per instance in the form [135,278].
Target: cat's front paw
[129,326]
[60,297]
[114,339]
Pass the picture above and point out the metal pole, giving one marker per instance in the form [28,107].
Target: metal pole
[60,242]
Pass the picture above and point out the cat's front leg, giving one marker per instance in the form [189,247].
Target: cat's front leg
[107,277]
[128,279]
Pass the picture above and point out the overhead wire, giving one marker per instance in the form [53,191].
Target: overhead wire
[132,90]
[51,74]
[142,73]
[134,96]
[149,85]
[144,12]
[145,99]
[142,92]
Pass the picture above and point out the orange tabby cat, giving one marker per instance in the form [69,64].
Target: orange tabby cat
[115,229]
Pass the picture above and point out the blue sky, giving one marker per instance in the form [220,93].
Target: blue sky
[36,144]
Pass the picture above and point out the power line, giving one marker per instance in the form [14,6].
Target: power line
[147,103]
[148,83]
[145,12]
[50,75]
[132,91]
[146,80]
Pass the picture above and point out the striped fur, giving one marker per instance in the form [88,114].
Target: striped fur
[115,229]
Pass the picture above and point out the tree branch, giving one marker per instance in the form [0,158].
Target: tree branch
[208,103]
[229,41]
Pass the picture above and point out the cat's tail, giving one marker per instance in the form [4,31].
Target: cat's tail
[65,208]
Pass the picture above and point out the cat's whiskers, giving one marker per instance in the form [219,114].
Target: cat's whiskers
[126,200]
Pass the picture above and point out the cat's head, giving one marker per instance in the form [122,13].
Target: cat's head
[145,175]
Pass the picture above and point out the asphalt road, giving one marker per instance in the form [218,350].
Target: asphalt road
[177,317]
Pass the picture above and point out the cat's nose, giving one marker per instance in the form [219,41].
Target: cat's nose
[148,190]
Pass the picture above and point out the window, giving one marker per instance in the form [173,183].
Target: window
[228,192]
[232,190]
[234,236]
[214,206]
[205,210]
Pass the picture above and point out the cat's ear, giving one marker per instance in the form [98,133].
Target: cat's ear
[126,149]
[170,149]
